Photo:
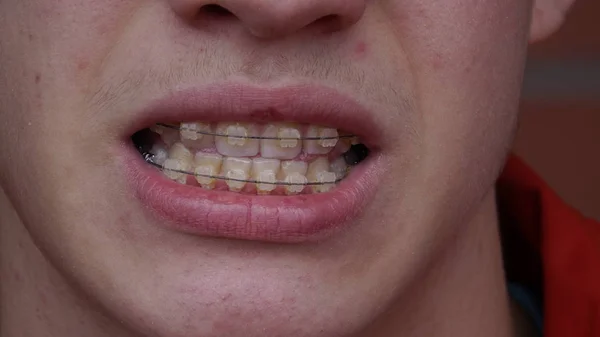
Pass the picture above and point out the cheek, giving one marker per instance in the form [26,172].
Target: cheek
[70,37]
[46,63]
[468,58]
[51,53]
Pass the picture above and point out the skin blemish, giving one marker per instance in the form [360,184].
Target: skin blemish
[125,219]
[437,61]
[82,65]
[360,49]
[261,115]
[38,78]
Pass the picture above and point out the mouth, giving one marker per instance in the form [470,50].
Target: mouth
[278,165]
[257,159]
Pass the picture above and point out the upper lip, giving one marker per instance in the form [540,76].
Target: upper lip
[241,103]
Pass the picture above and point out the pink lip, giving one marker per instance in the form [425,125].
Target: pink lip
[287,219]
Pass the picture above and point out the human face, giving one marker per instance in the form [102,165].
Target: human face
[430,86]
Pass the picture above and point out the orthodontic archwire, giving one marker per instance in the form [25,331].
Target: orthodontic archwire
[148,158]
[175,127]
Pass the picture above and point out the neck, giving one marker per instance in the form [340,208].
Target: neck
[463,293]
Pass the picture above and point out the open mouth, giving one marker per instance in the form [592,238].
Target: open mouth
[288,164]
[251,158]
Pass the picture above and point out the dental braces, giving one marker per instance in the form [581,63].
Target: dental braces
[179,128]
[148,158]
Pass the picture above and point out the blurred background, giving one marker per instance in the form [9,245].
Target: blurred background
[559,134]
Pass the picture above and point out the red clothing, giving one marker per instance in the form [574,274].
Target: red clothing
[549,246]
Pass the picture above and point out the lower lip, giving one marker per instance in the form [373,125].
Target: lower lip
[286,219]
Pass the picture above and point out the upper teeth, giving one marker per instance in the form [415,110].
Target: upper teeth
[235,141]
[320,142]
[196,135]
[289,137]
[193,131]
[276,140]
[287,148]
[236,135]
[329,137]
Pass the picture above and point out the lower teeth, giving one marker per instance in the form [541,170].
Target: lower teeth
[256,175]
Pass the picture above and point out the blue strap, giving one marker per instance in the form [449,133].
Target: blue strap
[529,302]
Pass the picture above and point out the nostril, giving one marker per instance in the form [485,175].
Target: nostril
[215,10]
[327,19]
[328,23]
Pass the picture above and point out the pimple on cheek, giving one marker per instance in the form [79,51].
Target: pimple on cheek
[37,78]
[360,50]
[82,65]
[437,61]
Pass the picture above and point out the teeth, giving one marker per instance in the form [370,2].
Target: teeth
[234,142]
[236,168]
[269,177]
[289,137]
[339,167]
[288,148]
[241,155]
[320,146]
[236,135]
[190,130]
[327,180]
[180,159]
[160,154]
[320,164]
[344,144]
[168,135]
[329,137]
[179,151]
[298,180]
[178,165]
[207,164]
[192,136]
[318,172]
[293,166]
[265,170]
[293,172]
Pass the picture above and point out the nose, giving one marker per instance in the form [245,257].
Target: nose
[277,18]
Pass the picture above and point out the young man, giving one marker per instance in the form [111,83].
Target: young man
[279,168]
